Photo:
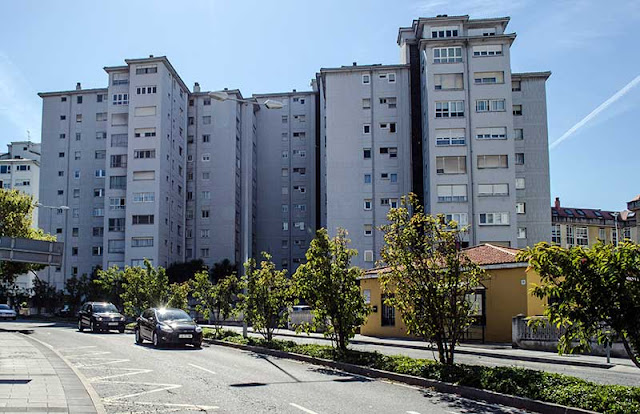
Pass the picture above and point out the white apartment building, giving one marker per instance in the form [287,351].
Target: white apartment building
[20,170]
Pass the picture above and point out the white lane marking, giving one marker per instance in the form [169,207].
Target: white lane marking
[88,354]
[188,406]
[164,387]
[134,371]
[299,407]
[76,348]
[415,412]
[202,368]
[109,361]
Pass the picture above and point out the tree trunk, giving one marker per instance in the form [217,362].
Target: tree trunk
[634,358]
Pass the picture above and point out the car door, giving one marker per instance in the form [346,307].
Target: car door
[86,316]
[81,313]
[145,320]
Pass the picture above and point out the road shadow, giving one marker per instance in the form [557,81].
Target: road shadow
[460,404]
[170,347]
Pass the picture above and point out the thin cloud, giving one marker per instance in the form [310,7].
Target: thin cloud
[15,103]
[474,8]
[596,111]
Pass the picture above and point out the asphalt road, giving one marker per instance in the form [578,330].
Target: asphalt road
[132,378]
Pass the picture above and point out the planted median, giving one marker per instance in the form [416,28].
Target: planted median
[536,385]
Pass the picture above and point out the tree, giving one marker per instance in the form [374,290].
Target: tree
[329,284]
[77,291]
[222,269]
[110,285]
[268,297]
[16,211]
[182,272]
[592,293]
[142,287]
[216,301]
[179,295]
[428,276]
[45,296]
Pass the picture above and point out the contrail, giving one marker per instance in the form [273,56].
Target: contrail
[596,111]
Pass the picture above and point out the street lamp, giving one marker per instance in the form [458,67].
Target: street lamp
[223,96]
[51,208]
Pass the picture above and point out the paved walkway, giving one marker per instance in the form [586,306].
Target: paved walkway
[35,379]
[502,351]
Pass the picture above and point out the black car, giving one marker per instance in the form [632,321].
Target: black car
[100,316]
[167,326]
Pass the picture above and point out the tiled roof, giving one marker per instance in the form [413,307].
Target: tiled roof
[587,213]
[483,255]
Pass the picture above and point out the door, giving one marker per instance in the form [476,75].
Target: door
[86,316]
[147,324]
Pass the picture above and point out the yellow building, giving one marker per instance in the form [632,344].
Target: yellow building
[504,295]
[586,226]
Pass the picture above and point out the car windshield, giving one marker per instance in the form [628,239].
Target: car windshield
[4,307]
[104,308]
[173,315]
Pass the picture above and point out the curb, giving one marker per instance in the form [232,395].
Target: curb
[602,365]
[97,403]
[444,387]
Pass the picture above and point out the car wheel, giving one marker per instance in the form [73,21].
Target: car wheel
[93,327]
[121,329]
[156,340]
[80,327]
[197,345]
[139,339]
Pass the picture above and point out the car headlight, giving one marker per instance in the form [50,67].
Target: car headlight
[98,318]
[122,319]
[198,329]
[166,328]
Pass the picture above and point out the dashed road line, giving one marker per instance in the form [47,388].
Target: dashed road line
[203,368]
[301,408]
[163,387]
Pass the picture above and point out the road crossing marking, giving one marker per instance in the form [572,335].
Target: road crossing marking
[202,368]
[299,407]
[163,387]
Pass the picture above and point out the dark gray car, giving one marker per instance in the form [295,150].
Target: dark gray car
[100,316]
[167,326]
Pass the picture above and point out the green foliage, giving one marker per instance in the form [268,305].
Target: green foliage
[77,290]
[429,278]
[142,287]
[109,286]
[45,296]
[222,269]
[216,301]
[183,272]
[329,284]
[179,295]
[521,382]
[268,298]
[593,293]
[16,213]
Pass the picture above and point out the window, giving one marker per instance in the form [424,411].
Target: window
[119,140]
[101,135]
[300,188]
[75,212]
[492,161]
[447,137]
[144,132]
[555,234]
[147,197]
[204,233]
[516,86]
[519,158]
[366,152]
[490,105]
[366,103]
[116,246]
[300,135]
[100,173]
[98,231]
[142,242]
[101,116]
[206,157]
[98,212]
[206,175]
[23,168]
[117,203]
[367,178]
[301,171]
[448,81]
[285,225]
[447,55]
[74,251]
[144,70]
[366,79]
[391,126]
[77,155]
[118,182]
[204,213]
[141,111]
[120,99]
[517,110]
[63,117]
[392,151]
[119,119]
[368,257]
[79,118]
[299,225]
[393,177]
[437,32]
[391,77]
[146,90]
[451,165]
[487,50]
[367,204]
[449,109]
[206,138]
[300,118]
[206,120]
[284,172]
[522,232]
[144,175]
[205,195]
[582,236]
[61,155]
[366,128]
[461,218]
[142,219]
[148,153]
[368,230]
[204,252]
[63,99]
[391,102]
[60,173]
[76,192]
[480,78]
[519,183]
[384,202]
[98,192]
[518,134]
[489,190]
[118,161]
[520,208]
[494,219]
[63,136]
[388,317]
[491,133]
[60,192]
[120,79]
[100,155]
[452,193]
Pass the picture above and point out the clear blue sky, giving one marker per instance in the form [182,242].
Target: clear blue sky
[267,46]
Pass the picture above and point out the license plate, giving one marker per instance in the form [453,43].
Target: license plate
[185,336]
[113,323]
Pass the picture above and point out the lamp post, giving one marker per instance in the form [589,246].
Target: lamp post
[245,202]
[51,208]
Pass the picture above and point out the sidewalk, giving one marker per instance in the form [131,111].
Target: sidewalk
[501,351]
[33,378]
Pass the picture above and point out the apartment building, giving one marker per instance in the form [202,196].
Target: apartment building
[286,177]
[470,104]
[20,170]
[365,150]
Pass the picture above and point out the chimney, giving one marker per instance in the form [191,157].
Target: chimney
[557,202]
[78,86]
[226,89]
[294,91]
[196,87]
[355,63]
[150,56]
